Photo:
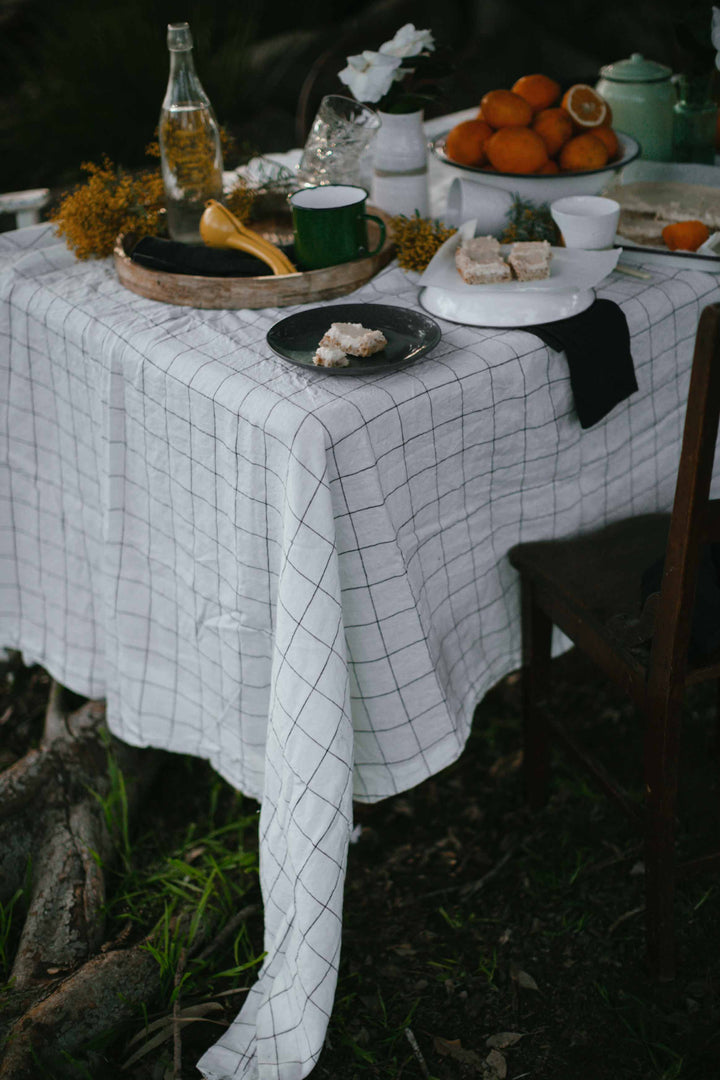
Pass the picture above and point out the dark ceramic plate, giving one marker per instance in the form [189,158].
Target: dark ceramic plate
[410,335]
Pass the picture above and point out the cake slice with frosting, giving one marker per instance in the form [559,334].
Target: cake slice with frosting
[530,259]
[479,261]
[354,338]
[330,356]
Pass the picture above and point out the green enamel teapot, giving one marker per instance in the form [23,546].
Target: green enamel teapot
[642,95]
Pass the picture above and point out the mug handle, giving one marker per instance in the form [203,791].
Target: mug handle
[378,221]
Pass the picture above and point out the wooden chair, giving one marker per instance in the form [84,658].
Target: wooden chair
[25,206]
[590,588]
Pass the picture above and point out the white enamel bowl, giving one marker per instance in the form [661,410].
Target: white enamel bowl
[541,189]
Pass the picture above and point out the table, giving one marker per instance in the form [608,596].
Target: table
[299,577]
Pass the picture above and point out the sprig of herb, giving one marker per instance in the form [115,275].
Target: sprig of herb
[528,221]
[111,201]
[417,239]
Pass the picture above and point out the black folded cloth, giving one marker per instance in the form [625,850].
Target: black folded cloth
[597,345]
[172,257]
[705,621]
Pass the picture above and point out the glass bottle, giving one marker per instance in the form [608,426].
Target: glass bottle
[190,152]
[695,120]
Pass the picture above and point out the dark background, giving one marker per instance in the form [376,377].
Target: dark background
[83,78]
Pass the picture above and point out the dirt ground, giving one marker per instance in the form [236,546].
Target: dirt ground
[480,940]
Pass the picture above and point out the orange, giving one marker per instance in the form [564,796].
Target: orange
[465,143]
[502,108]
[554,127]
[550,168]
[516,150]
[586,107]
[608,136]
[685,235]
[539,91]
[583,152]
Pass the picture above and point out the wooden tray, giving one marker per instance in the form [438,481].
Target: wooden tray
[279,290]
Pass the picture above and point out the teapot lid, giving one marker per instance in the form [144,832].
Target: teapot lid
[636,69]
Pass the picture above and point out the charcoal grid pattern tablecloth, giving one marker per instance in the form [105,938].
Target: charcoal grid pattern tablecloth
[300,577]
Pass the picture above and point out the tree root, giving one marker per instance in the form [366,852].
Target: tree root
[56,803]
[104,991]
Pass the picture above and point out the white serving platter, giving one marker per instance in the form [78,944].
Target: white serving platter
[569,290]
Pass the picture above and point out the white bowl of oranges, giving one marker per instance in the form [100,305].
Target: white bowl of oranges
[538,142]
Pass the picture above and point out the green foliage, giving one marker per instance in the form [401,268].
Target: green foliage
[528,221]
[115,808]
[6,930]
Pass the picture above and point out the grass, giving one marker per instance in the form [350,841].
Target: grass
[8,924]
[466,918]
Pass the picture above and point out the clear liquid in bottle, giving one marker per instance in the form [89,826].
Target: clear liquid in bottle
[190,152]
[191,167]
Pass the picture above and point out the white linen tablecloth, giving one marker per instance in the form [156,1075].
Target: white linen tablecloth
[300,577]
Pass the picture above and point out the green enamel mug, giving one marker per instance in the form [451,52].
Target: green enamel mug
[330,225]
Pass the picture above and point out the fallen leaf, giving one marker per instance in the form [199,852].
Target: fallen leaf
[624,917]
[454,1049]
[163,1029]
[503,1039]
[405,949]
[505,766]
[445,1046]
[497,1064]
[195,853]
[526,981]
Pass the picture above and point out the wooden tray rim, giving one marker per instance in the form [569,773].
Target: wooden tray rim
[325,283]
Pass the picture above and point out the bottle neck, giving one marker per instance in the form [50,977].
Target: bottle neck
[183,84]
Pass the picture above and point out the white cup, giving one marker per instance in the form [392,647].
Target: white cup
[586,221]
[470,199]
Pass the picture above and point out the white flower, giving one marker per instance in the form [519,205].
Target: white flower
[409,42]
[369,75]
[715,34]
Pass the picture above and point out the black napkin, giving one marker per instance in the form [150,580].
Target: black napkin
[705,622]
[171,256]
[597,345]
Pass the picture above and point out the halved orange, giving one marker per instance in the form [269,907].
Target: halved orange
[587,109]
[685,235]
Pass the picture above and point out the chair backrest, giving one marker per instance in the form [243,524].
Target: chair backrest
[695,517]
[25,206]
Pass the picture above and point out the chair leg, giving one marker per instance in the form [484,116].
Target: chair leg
[536,648]
[662,745]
